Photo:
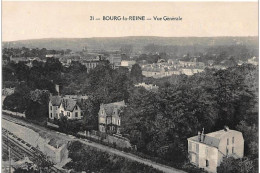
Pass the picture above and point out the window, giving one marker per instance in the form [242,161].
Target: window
[102,120]
[193,147]
[118,122]
[193,158]
[227,141]
[102,112]
[68,114]
[197,148]
[50,107]
[227,151]
[233,150]
[233,140]
[207,163]
[76,114]
[76,107]
[113,120]
[51,115]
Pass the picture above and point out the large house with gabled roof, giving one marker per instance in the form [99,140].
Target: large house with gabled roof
[69,107]
[109,118]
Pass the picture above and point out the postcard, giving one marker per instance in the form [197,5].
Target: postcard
[122,87]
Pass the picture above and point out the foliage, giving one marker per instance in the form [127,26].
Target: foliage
[160,123]
[85,158]
[136,74]
[231,165]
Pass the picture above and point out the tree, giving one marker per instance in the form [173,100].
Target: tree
[136,73]
[228,165]
[126,49]
[250,133]
[231,165]
[53,65]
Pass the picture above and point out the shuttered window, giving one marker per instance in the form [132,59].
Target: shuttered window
[197,148]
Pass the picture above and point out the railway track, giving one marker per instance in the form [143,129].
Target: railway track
[20,149]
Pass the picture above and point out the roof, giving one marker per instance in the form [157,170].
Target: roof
[213,139]
[55,100]
[111,106]
[153,69]
[69,104]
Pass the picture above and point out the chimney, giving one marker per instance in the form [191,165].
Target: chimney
[57,88]
[199,136]
[226,128]
[202,135]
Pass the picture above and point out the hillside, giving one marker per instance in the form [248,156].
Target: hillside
[114,43]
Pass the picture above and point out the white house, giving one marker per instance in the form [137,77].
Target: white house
[148,87]
[127,64]
[207,150]
[64,106]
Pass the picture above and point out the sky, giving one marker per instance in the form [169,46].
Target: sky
[34,20]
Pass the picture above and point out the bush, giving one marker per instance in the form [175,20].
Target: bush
[85,158]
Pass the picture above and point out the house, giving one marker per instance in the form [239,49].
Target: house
[64,106]
[154,71]
[127,64]
[207,150]
[187,63]
[93,61]
[253,60]
[18,59]
[187,71]
[52,55]
[115,61]
[149,87]
[109,118]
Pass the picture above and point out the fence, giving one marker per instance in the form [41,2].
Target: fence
[120,142]
[14,113]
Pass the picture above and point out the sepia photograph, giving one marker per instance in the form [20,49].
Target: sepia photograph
[130,87]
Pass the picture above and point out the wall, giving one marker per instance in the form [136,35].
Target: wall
[203,153]
[122,143]
[56,155]
[208,153]
[35,140]
[238,143]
